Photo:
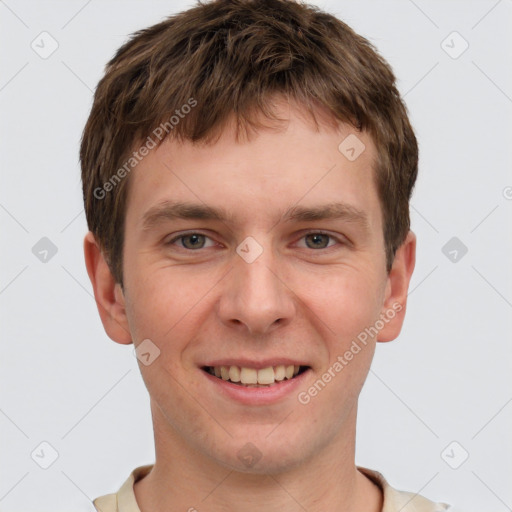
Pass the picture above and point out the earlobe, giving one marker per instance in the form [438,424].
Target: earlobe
[107,293]
[397,287]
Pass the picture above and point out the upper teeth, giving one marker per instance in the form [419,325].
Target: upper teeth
[249,376]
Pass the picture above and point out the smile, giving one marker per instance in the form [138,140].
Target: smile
[252,377]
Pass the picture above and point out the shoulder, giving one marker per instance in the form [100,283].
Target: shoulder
[107,503]
[395,500]
[124,500]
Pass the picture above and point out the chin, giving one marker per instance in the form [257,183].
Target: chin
[264,456]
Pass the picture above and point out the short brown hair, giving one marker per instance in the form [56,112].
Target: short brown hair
[228,58]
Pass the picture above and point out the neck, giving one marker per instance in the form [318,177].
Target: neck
[183,479]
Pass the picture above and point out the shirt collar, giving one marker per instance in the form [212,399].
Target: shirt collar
[393,500]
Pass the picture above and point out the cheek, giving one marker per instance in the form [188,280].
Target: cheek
[346,299]
[164,301]
[345,304]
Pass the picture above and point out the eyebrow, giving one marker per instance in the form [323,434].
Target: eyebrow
[169,210]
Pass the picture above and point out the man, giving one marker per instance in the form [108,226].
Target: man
[247,168]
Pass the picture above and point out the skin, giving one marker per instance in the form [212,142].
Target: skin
[295,300]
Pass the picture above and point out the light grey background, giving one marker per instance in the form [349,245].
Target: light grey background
[448,376]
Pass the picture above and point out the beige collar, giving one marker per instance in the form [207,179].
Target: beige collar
[394,501]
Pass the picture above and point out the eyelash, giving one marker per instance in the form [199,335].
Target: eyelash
[313,232]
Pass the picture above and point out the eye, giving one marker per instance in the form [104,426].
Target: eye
[192,241]
[312,240]
[319,240]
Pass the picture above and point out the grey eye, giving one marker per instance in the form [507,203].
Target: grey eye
[194,241]
[317,241]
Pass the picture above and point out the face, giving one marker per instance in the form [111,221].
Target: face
[255,260]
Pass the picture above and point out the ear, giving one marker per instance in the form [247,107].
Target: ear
[397,286]
[107,293]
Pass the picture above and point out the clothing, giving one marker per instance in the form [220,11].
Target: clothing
[394,501]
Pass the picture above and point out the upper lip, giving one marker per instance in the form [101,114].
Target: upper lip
[256,364]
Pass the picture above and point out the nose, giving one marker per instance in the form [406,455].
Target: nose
[255,297]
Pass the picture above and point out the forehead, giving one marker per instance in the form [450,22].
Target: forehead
[261,177]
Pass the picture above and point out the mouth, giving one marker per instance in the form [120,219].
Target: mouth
[253,377]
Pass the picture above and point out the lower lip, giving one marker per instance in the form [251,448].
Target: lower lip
[257,396]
